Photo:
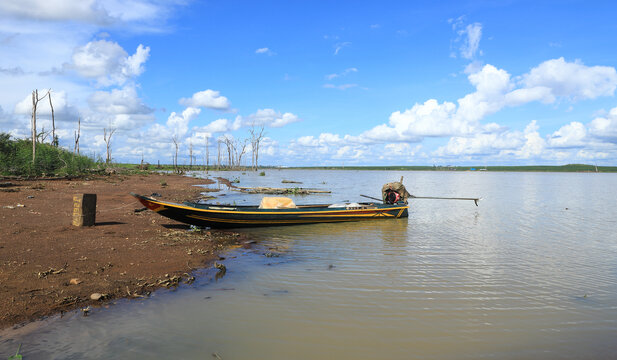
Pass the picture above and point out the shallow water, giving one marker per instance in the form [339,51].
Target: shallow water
[530,273]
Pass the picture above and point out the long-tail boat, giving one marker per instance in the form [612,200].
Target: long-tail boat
[277,211]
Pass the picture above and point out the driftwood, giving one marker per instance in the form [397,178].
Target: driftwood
[280,191]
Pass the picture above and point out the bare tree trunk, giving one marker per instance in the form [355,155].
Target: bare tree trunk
[242,152]
[107,139]
[35,96]
[256,138]
[175,141]
[207,154]
[218,164]
[54,140]
[77,135]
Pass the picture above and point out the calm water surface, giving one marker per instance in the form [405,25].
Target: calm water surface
[529,274]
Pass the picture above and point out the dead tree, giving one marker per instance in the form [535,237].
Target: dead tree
[174,139]
[191,154]
[256,137]
[77,135]
[207,154]
[35,103]
[218,155]
[54,139]
[107,138]
[231,148]
[241,151]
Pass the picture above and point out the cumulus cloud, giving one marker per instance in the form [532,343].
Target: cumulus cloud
[221,125]
[270,118]
[56,10]
[120,108]
[210,99]
[494,90]
[63,111]
[108,63]
[605,127]
[572,80]
[178,123]
[140,15]
[569,136]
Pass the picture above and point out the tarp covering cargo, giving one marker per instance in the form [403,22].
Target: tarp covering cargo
[396,187]
[270,202]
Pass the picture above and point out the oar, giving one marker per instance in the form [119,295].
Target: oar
[370,197]
[475,200]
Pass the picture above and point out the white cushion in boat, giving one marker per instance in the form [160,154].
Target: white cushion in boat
[277,203]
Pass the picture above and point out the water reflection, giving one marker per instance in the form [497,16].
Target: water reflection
[519,277]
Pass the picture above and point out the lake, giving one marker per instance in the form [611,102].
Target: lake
[531,273]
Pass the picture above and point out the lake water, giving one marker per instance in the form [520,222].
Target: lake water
[529,274]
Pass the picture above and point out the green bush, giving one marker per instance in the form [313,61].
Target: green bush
[16,159]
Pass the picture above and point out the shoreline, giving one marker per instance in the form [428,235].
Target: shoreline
[48,266]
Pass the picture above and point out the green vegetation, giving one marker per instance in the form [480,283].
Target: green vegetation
[16,159]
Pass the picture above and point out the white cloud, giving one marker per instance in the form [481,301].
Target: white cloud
[221,125]
[468,36]
[137,15]
[472,35]
[265,51]
[118,101]
[569,136]
[56,10]
[605,127]
[340,87]
[108,63]
[270,118]
[572,80]
[210,99]
[178,124]
[339,46]
[342,73]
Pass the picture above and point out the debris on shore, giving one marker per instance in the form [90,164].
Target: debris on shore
[280,191]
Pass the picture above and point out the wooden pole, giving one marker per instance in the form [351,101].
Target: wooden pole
[84,209]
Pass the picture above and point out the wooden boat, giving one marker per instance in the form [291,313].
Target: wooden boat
[228,216]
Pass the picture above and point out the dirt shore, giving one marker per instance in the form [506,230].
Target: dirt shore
[48,266]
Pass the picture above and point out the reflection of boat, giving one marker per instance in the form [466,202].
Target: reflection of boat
[229,216]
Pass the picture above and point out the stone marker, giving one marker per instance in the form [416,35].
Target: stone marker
[84,209]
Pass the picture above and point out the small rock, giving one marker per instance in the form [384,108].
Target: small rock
[96,296]
[75,281]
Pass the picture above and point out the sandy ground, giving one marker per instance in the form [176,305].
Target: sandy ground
[48,266]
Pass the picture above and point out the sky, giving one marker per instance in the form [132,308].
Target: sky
[331,83]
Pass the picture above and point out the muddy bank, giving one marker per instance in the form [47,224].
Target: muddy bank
[48,266]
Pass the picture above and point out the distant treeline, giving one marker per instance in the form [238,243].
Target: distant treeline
[530,168]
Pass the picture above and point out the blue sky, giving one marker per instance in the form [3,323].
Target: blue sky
[345,83]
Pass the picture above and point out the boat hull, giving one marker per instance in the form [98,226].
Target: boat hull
[246,216]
